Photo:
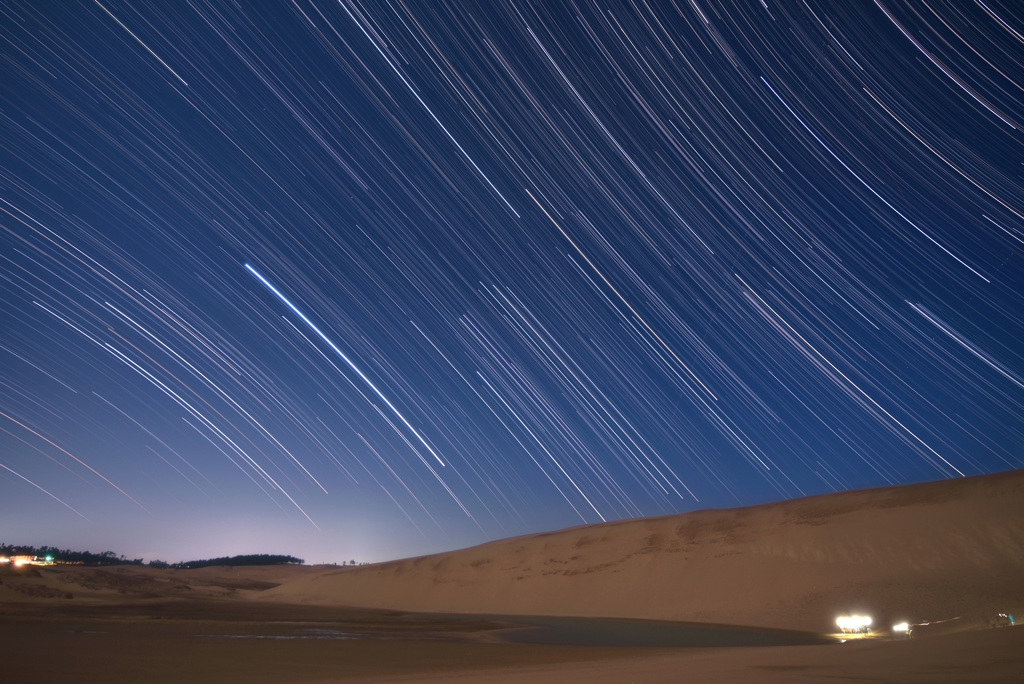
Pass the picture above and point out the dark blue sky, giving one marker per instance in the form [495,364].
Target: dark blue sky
[510,268]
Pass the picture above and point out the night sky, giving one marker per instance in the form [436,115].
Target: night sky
[362,280]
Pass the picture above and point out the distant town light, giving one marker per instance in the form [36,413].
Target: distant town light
[27,560]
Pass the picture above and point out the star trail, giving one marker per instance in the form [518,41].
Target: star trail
[363,279]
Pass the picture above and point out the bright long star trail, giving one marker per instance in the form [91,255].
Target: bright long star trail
[361,280]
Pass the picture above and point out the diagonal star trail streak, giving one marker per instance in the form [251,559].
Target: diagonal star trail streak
[522,265]
[343,357]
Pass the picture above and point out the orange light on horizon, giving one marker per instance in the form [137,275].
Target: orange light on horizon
[18,561]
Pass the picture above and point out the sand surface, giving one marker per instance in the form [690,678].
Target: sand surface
[951,553]
[919,552]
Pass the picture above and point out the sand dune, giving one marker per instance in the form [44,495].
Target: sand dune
[949,552]
[931,551]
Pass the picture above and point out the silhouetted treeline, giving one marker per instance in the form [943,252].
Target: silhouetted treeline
[68,556]
[253,559]
[110,558]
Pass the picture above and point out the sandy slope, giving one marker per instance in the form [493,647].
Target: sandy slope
[929,551]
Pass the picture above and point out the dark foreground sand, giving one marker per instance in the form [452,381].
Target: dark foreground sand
[220,641]
[214,641]
[951,553]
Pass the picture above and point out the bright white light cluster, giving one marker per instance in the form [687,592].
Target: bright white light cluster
[854,623]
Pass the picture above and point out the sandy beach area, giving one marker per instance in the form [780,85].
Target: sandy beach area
[949,553]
